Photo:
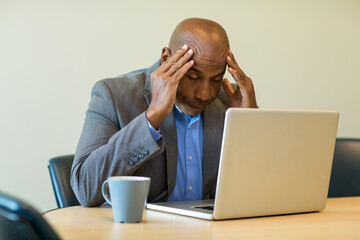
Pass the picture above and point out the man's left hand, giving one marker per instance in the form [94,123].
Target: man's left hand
[244,95]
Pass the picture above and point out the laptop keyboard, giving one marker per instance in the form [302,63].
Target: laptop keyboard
[209,208]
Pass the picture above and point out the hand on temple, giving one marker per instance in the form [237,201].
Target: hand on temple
[164,84]
[244,95]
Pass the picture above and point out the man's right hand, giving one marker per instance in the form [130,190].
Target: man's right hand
[164,84]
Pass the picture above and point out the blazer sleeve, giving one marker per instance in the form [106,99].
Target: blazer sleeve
[105,149]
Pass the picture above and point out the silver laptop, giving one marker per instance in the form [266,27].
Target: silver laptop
[272,162]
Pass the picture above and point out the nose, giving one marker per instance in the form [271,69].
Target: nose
[203,91]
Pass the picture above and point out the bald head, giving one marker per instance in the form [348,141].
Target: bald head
[201,83]
[207,38]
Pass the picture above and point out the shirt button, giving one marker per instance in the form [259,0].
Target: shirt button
[190,157]
[190,188]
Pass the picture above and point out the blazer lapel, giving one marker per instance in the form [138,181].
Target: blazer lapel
[213,119]
[169,136]
[168,131]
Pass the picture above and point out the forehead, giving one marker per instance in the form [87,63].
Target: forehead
[209,51]
[208,62]
[203,63]
[205,69]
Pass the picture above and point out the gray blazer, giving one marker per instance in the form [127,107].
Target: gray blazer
[116,140]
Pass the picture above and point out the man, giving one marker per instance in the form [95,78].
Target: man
[164,122]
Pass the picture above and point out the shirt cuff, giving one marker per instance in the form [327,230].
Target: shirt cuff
[154,132]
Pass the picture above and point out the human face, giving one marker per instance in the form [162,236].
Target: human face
[199,87]
[201,84]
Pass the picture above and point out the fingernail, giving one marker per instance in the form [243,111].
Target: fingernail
[190,51]
[184,47]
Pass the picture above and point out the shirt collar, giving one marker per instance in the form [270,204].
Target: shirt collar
[190,119]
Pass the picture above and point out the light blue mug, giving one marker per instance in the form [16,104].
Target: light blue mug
[127,196]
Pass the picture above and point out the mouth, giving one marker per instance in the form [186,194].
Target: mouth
[192,107]
[198,108]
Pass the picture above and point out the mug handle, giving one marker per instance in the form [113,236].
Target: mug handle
[105,191]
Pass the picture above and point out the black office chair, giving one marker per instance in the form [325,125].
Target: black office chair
[345,174]
[19,220]
[60,168]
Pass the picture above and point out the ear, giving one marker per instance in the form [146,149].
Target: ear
[165,54]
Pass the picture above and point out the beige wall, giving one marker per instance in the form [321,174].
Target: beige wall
[300,54]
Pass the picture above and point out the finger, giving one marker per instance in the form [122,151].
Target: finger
[239,76]
[174,58]
[233,64]
[231,55]
[227,87]
[241,82]
[177,65]
[181,72]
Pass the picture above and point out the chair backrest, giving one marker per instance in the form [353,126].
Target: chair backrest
[19,220]
[345,174]
[60,168]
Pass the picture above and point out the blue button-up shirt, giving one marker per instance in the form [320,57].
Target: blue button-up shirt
[190,154]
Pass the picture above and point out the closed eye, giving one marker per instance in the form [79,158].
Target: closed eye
[193,76]
[218,78]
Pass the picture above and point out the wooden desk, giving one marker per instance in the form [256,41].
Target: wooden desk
[339,220]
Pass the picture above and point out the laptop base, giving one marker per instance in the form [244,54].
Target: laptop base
[195,209]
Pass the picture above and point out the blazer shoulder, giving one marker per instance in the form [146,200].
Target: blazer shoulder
[135,79]
[129,84]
